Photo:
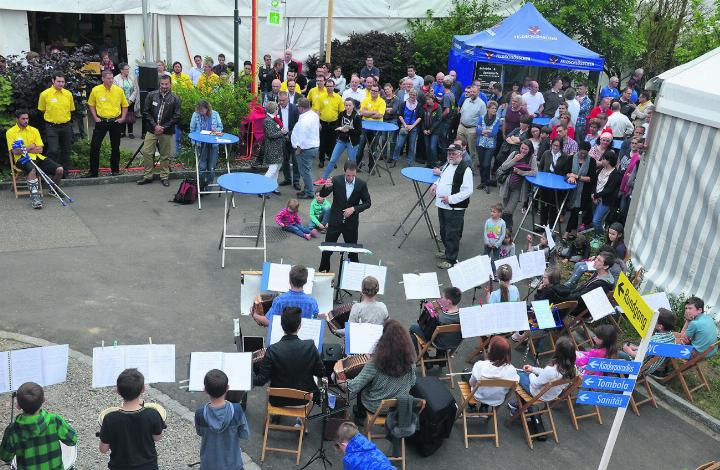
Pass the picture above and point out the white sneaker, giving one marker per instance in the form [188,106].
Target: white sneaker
[518,337]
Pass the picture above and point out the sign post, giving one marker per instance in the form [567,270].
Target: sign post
[643,319]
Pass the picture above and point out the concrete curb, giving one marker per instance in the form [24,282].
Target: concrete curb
[156,395]
[686,407]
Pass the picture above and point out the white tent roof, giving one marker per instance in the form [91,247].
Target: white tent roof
[689,91]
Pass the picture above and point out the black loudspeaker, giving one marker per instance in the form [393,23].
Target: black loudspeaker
[331,353]
[148,77]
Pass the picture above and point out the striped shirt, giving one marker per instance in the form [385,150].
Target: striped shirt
[374,386]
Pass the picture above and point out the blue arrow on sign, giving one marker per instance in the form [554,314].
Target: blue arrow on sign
[608,383]
[614,366]
[679,351]
[610,400]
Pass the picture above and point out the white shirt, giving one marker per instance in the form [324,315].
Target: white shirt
[492,396]
[417,80]
[545,375]
[533,102]
[285,116]
[444,187]
[195,74]
[620,124]
[306,133]
[358,95]
[573,108]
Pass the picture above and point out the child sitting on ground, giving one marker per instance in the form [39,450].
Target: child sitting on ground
[507,248]
[319,212]
[605,341]
[220,424]
[543,245]
[576,248]
[494,232]
[35,435]
[289,220]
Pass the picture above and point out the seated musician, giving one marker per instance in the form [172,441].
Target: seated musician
[389,374]
[368,310]
[550,288]
[291,362]
[295,297]
[601,278]
[444,341]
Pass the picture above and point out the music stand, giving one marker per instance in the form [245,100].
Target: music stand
[325,415]
[342,248]
[419,175]
[379,127]
[547,181]
[226,140]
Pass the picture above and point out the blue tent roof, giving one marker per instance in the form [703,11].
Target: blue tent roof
[525,38]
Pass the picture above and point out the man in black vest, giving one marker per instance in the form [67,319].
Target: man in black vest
[350,197]
[452,196]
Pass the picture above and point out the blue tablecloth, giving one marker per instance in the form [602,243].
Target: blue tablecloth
[213,139]
[247,183]
[617,144]
[549,181]
[379,126]
[419,174]
[541,121]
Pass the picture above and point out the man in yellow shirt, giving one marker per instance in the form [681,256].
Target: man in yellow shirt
[318,91]
[108,108]
[209,79]
[328,106]
[57,104]
[29,147]
[372,108]
[180,78]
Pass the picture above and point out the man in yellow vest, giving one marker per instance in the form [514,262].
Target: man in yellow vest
[329,106]
[57,104]
[108,107]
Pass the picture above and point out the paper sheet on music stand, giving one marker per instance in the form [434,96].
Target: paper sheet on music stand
[490,319]
[45,365]
[543,314]
[309,329]
[237,366]
[470,273]
[657,301]
[354,273]
[360,338]
[4,372]
[323,291]
[511,261]
[549,236]
[421,286]
[597,304]
[277,276]
[532,264]
[155,361]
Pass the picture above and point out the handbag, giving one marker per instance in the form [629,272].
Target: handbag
[130,117]
[501,175]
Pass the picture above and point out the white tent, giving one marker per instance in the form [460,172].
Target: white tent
[675,212]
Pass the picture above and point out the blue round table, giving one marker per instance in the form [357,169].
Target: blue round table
[546,181]
[419,175]
[379,128]
[225,140]
[541,120]
[247,184]
[617,144]
[550,181]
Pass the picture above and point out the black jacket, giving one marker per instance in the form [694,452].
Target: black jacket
[266,76]
[291,363]
[293,116]
[609,194]
[170,111]
[359,199]
[354,133]
[563,166]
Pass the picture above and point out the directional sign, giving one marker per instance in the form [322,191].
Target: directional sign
[611,400]
[632,303]
[274,16]
[679,351]
[608,383]
[614,366]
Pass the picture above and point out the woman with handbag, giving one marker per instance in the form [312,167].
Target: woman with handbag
[511,175]
[129,85]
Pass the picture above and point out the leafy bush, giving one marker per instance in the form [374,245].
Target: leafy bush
[80,157]
[392,53]
[229,100]
[6,120]
[311,64]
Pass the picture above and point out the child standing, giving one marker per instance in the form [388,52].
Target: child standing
[289,220]
[35,435]
[494,232]
[507,248]
[220,424]
[319,212]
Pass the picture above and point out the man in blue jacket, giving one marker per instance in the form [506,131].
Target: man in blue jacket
[360,453]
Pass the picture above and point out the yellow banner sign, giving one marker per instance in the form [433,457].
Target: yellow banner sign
[636,309]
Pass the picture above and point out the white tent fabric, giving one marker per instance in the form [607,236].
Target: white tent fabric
[675,212]
[14,33]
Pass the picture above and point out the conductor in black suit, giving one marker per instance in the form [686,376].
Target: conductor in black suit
[350,197]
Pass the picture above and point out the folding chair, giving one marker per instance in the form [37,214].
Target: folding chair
[681,367]
[714,465]
[637,277]
[570,398]
[564,309]
[526,401]
[424,346]
[290,412]
[468,398]
[19,182]
[643,380]
[378,419]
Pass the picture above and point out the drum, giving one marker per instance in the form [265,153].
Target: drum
[351,365]
[338,316]
[155,406]
[69,457]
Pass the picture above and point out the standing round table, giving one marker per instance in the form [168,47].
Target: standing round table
[547,181]
[203,138]
[379,128]
[247,184]
[419,175]
[541,121]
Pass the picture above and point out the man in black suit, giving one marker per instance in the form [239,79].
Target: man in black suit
[350,197]
[288,114]
[291,362]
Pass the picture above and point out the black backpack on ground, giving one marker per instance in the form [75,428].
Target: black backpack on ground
[438,417]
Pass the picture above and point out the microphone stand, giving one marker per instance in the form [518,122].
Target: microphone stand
[325,414]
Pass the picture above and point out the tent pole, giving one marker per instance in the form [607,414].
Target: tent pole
[146,32]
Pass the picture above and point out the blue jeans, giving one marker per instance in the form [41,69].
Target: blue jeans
[298,229]
[485,156]
[411,137]
[601,210]
[524,380]
[305,160]
[340,146]
[207,159]
[324,218]
[580,269]
[178,137]
[431,145]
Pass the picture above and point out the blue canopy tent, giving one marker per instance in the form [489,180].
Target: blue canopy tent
[525,38]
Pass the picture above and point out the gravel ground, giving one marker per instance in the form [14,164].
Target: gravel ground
[80,405]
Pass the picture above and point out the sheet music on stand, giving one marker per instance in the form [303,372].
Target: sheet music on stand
[598,304]
[421,286]
[237,366]
[360,338]
[344,247]
[313,329]
[322,290]
[543,314]
[354,273]
[511,261]
[549,236]
[155,361]
[491,319]
[471,273]
[532,264]
[46,365]
[275,277]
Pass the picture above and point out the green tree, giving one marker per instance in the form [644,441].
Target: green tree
[701,32]
[431,36]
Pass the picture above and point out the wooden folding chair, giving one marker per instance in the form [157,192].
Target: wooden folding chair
[643,380]
[468,398]
[681,367]
[714,465]
[564,309]
[425,346]
[637,277]
[19,182]
[570,396]
[286,411]
[526,401]
[378,419]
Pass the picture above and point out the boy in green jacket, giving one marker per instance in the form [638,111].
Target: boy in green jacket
[319,212]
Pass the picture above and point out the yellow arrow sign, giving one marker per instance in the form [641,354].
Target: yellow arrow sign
[636,309]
